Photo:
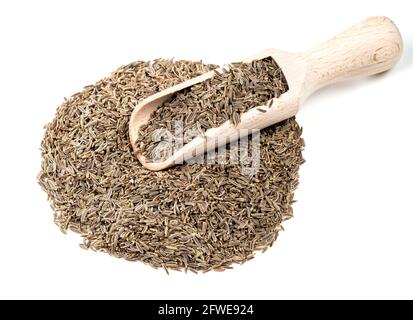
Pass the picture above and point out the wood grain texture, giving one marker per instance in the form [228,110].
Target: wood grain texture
[369,47]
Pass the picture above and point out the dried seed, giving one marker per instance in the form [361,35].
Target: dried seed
[190,217]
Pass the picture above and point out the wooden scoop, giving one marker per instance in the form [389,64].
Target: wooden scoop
[371,46]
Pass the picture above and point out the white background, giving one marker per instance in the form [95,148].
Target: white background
[352,234]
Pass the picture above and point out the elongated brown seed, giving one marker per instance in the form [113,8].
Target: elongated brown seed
[190,217]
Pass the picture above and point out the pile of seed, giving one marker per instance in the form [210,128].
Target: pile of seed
[210,103]
[190,217]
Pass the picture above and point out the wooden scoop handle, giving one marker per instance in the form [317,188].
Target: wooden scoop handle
[369,47]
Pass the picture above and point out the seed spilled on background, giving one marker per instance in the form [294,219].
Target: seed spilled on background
[190,217]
